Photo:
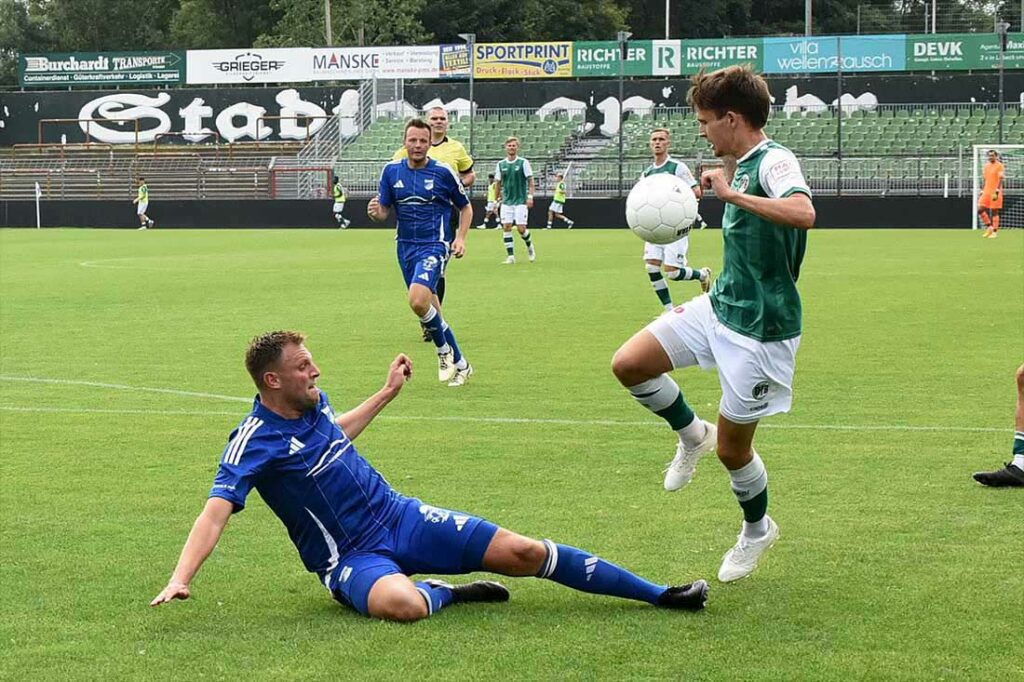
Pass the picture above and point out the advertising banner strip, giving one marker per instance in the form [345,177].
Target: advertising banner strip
[962,51]
[822,54]
[716,54]
[364,63]
[523,60]
[101,69]
[242,66]
[454,61]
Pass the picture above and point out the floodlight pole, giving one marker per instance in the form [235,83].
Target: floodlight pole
[807,17]
[1002,27]
[666,19]
[327,23]
[623,39]
[470,39]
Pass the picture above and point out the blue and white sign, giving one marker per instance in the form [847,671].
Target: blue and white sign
[821,55]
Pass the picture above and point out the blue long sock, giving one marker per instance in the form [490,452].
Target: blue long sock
[581,570]
[449,337]
[436,597]
[434,324]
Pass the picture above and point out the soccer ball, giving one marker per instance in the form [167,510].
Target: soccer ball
[661,208]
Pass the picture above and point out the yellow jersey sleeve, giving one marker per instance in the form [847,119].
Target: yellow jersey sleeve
[400,154]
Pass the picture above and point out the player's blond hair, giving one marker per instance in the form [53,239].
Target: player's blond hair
[265,351]
[735,88]
[512,138]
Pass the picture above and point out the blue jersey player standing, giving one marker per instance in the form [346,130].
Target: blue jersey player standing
[361,537]
[423,192]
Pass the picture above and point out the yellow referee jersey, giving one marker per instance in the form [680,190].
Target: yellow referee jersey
[447,151]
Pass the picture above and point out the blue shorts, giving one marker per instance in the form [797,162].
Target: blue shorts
[423,263]
[425,539]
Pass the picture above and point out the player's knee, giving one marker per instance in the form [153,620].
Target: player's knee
[528,554]
[1020,379]
[628,367]
[401,608]
[419,302]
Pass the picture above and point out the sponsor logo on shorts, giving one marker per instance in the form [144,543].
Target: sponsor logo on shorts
[758,408]
[760,390]
[679,309]
[346,573]
[430,263]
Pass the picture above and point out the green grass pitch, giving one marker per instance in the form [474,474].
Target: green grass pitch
[892,563]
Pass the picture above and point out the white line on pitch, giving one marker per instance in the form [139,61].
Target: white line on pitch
[442,418]
[126,387]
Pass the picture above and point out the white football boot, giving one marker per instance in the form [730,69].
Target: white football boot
[461,376]
[445,366]
[741,560]
[680,469]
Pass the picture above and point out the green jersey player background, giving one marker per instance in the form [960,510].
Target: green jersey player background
[671,257]
[749,326]
[515,186]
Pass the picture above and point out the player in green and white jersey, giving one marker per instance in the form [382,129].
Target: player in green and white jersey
[671,257]
[749,326]
[557,207]
[141,202]
[514,178]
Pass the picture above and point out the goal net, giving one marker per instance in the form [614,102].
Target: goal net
[1012,157]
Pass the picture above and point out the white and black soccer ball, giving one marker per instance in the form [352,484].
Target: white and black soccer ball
[661,208]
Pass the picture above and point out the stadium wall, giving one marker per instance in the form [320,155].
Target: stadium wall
[227,110]
[833,212]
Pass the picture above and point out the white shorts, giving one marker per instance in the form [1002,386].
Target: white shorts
[672,255]
[514,214]
[556,207]
[141,208]
[756,376]
[492,206]
[339,206]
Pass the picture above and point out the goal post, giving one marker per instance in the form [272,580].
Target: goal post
[1012,157]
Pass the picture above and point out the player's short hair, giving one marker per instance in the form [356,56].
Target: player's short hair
[142,179]
[490,176]
[438,108]
[735,88]
[265,351]
[559,175]
[662,130]
[511,138]
[416,123]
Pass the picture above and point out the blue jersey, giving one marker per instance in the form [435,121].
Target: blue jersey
[331,500]
[423,200]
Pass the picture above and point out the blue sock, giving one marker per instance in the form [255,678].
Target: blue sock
[434,324]
[436,597]
[449,337]
[585,572]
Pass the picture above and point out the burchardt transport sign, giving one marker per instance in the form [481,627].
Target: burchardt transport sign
[95,68]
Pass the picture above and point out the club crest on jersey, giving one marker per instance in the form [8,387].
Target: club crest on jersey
[741,182]
[428,183]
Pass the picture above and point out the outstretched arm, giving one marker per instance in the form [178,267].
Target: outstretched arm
[206,531]
[358,418]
